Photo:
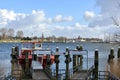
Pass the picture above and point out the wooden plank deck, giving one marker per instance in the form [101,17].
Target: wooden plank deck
[39,75]
[38,72]
[80,75]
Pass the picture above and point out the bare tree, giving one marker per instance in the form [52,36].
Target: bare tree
[3,32]
[20,34]
[10,33]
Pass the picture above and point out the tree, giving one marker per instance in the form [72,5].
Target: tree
[10,33]
[20,34]
[3,32]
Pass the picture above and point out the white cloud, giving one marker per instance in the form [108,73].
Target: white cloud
[89,15]
[35,23]
[60,18]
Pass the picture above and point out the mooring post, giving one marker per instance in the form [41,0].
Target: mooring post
[13,61]
[96,62]
[111,55]
[118,54]
[74,63]
[81,47]
[17,51]
[57,63]
[27,69]
[68,59]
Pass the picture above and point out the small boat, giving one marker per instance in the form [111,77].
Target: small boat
[33,51]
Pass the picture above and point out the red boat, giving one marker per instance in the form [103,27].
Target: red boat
[33,51]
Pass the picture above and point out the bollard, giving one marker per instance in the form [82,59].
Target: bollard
[96,60]
[67,50]
[111,55]
[80,48]
[77,47]
[118,54]
[17,51]
[57,65]
[67,67]
[57,49]
[67,61]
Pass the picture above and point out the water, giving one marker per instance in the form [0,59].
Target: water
[103,48]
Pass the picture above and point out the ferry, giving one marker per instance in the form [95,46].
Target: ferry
[32,51]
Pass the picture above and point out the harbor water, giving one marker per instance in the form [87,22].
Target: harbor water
[103,48]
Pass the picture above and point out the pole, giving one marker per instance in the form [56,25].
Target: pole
[96,60]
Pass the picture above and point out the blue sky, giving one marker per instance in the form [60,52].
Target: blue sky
[69,18]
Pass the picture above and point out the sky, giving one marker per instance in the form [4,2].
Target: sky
[85,18]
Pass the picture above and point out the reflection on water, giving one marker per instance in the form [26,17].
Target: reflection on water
[114,67]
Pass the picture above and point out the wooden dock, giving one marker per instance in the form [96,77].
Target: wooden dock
[80,75]
[38,73]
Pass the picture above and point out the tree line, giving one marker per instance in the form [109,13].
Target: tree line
[6,33]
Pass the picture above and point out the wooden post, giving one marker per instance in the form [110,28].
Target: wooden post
[81,47]
[74,63]
[57,63]
[14,62]
[96,62]
[27,69]
[118,54]
[67,73]
[111,55]
[17,51]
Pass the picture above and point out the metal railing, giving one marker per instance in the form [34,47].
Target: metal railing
[48,72]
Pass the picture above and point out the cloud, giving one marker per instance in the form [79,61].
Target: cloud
[37,22]
[60,18]
[109,15]
[89,15]
[6,16]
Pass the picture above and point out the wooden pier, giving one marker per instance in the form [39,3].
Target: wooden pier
[38,73]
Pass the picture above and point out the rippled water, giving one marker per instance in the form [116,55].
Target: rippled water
[103,48]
